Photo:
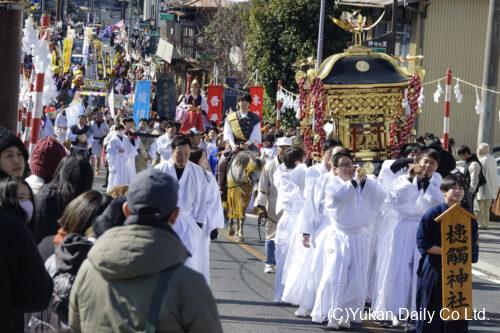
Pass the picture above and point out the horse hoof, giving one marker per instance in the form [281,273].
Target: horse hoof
[240,239]
[230,232]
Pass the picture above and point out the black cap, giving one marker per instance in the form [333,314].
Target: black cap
[152,192]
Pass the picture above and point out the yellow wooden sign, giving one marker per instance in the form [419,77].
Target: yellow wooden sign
[456,259]
[67,50]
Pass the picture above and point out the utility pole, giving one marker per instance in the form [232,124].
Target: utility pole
[319,55]
[123,11]
[490,75]
[394,25]
[11,21]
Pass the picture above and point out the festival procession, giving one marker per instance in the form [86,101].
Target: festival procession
[249,166]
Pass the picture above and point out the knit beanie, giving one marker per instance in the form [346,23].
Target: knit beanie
[46,156]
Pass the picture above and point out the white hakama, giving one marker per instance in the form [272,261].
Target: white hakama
[290,186]
[300,288]
[117,152]
[400,281]
[99,133]
[214,220]
[192,202]
[344,280]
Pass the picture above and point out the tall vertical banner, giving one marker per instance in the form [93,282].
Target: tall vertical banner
[214,99]
[257,104]
[67,49]
[165,95]
[456,263]
[141,100]
[231,94]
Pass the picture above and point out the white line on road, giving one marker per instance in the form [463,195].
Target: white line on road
[484,329]
[483,276]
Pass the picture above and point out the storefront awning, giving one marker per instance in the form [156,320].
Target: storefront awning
[372,3]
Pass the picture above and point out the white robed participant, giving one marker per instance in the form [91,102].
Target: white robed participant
[412,195]
[300,284]
[163,144]
[100,130]
[61,126]
[213,207]
[298,260]
[118,150]
[383,234]
[192,201]
[351,205]
[289,179]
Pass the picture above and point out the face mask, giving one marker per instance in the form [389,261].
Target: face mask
[27,206]
[120,133]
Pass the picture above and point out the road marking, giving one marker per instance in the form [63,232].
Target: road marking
[484,329]
[484,276]
[256,253]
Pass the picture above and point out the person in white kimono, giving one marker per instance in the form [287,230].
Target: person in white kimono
[135,143]
[351,205]
[289,180]
[213,208]
[61,126]
[382,235]
[47,127]
[268,150]
[100,130]
[163,144]
[118,151]
[412,195]
[302,269]
[192,201]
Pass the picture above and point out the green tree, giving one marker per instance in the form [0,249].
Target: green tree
[281,32]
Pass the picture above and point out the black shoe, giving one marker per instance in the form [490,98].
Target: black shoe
[410,327]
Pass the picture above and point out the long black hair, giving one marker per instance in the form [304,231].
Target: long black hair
[73,176]
[9,202]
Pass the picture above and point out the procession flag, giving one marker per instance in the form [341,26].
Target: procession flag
[456,261]
[141,100]
[67,50]
[72,112]
[214,94]
[257,104]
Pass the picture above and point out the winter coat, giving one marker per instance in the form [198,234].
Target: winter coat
[49,209]
[489,168]
[66,261]
[25,285]
[115,285]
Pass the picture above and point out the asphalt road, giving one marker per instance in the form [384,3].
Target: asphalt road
[244,293]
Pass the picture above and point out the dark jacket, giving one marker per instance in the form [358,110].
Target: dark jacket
[111,217]
[48,208]
[46,247]
[114,287]
[447,162]
[25,285]
[69,256]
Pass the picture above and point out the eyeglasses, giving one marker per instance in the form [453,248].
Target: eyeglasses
[345,165]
